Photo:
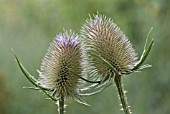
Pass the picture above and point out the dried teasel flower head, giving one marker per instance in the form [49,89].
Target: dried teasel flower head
[61,73]
[103,38]
[110,54]
[61,66]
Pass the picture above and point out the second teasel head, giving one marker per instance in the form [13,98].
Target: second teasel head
[101,37]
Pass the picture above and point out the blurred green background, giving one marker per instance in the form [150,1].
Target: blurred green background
[28,26]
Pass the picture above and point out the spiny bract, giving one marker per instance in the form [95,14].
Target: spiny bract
[103,38]
[61,66]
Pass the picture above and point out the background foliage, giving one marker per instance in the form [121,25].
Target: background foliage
[28,26]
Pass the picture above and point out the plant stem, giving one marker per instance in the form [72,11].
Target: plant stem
[122,95]
[61,104]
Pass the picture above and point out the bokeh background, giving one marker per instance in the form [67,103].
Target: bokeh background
[28,26]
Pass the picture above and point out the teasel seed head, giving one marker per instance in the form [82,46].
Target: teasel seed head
[102,37]
[61,65]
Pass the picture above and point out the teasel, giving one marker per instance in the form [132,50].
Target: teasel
[61,73]
[110,54]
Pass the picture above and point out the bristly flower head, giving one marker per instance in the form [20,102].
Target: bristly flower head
[101,37]
[61,66]
[61,73]
[110,54]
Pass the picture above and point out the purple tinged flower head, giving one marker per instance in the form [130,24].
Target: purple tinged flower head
[101,37]
[61,66]
[66,40]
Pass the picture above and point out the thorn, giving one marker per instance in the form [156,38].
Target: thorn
[125,92]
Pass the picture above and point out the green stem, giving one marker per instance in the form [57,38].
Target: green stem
[61,104]
[122,95]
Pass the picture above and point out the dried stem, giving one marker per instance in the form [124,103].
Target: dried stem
[122,95]
[61,104]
